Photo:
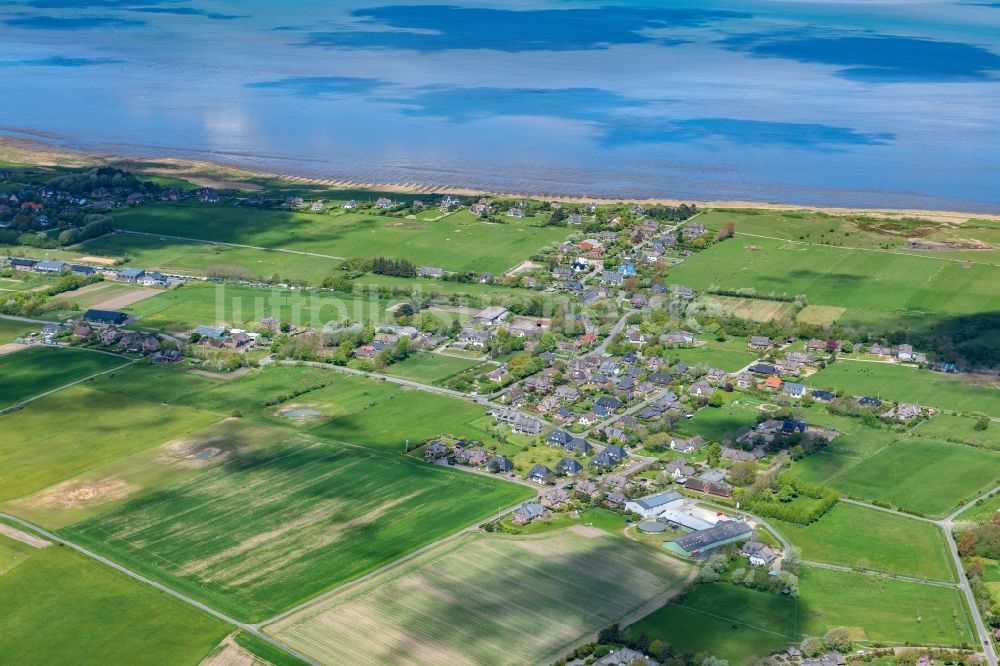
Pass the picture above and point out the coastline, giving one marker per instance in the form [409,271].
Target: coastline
[213,174]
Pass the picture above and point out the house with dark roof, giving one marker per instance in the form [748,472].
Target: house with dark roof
[568,467]
[539,474]
[704,541]
[104,317]
[500,465]
[528,512]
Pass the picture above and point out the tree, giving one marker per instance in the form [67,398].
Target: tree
[743,473]
[547,343]
[717,399]
[967,541]
[811,646]
[838,639]
[714,454]
[982,424]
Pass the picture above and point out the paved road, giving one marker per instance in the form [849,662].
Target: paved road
[981,628]
[163,588]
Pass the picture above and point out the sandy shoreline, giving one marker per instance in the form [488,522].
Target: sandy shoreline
[212,174]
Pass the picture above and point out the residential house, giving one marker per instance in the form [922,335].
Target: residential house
[759,554]
[528,512]
[430,272]
[500,465]
[82,332]
[568,467]
[686,293]
[679,469]
[773,382]
[701,390]
[436,449]
[616,499]
[587,489]
[539,474]
[686,445]
[517,421]
[794,390]
[760,342]
[717,488]
[554,497]
[384,203]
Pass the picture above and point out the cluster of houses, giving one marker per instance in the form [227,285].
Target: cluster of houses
[52,267]
[485,324]
[220,337]
[387,336]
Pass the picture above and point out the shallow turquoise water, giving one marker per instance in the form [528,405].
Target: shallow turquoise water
[861,103]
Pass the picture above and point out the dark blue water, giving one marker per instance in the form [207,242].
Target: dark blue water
[839,103]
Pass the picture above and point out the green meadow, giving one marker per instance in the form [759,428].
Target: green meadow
[959,428]
[274,527]
[182,309]
[713,354]
[879,609]
[66,433]
[35,370]
[855,536]
[11,329]
[872,285]
[458,241]
[921,475]
[430,368]
[908,384]
[62,608]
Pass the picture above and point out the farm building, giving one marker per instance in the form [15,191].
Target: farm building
[104,317]
[703,541]
[652,506]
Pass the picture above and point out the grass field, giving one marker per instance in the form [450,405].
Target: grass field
[870,285]
[107,487]
[730,622]
[35,370]
[429,368]
[751,309]
[486,599]
[182,309]
[714,355]
[385,415]
[983,511]
[98,294]
[456,242]
[722,423]
[741,625]
[907,384]
[271,528]
[61,608]
[207,259]
[959,428]
[66,433]
[10,329]
[852,535]
[882,610]
[921,475]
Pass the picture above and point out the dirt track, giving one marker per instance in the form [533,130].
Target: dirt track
[127,299]
[24,537]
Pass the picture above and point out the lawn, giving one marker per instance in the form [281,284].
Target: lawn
[61,608]
[730,622]
[207,259]
[983,510]
[959,428]
[907,384]
[458,242]
[386,415]
[739,624]
[881,609]
[271,528]
[714,355]
[871,285]
[723,423]
[429,368]
[182,309]
[921,475]
[10,329]
[855,536]
[482,599]
[35,370]
[66,433]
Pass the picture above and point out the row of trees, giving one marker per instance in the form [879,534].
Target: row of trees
[394,267]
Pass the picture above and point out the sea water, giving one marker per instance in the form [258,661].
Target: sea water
[861,103]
